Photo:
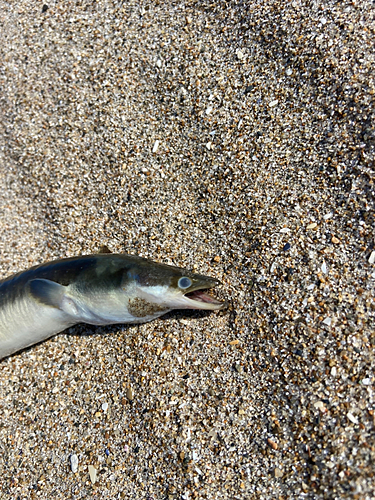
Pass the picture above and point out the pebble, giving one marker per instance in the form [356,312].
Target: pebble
[130,394]
[278,472]
[105,407]
[313,225]
[272,444]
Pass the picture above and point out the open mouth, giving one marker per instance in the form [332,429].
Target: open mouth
[201,300]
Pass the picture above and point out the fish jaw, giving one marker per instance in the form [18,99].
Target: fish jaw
[192,298]
[200,300]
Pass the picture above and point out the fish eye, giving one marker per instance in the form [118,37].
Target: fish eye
[184,282]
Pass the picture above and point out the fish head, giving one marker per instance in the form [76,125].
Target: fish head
[173,287]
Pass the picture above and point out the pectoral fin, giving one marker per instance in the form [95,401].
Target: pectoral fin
[52,294]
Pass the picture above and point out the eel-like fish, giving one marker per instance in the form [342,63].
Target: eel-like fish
[99,289]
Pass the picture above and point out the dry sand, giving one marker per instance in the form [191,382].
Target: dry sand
[232,138]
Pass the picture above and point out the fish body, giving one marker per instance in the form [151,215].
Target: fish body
[99,289]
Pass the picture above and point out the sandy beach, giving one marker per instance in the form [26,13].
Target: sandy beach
[235,139]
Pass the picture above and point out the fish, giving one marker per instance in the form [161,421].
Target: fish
[98,289]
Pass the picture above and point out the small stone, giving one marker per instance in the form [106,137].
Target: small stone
[366,381]
[284,230]
[272,444]
[328,216]
[313,225]
[105,407]
[286,247]
[92,473]
[188,20]
[335,240]
[234,342]
[289,71]
[372,257]
[156,145]
[217,258]
[209,110]
[333,371]
[324,268]
[238,368]
[129,394]
[274,103]
[278,472]
[74,463]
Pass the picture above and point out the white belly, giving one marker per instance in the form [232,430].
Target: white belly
[25,322]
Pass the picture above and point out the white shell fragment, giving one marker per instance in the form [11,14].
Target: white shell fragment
[74,463]
[352,418]
[319,405]
[372,257]
[240,54]
[156,146]
[92,473]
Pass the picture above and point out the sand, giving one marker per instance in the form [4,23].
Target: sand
[232,138]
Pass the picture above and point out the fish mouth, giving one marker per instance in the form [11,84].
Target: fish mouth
[199,299]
